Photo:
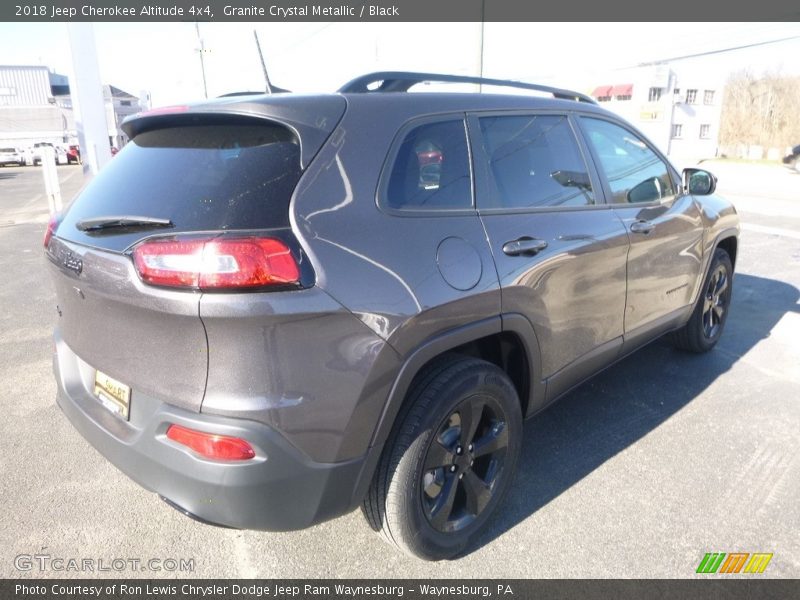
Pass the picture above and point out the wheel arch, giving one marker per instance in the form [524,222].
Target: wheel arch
[729,242]
[507,341]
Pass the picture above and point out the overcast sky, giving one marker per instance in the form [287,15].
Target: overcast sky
[163,59]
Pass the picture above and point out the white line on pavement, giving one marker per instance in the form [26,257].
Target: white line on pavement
[771,230]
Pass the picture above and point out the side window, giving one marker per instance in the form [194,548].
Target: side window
[535,162]
[431,170]
[634,172]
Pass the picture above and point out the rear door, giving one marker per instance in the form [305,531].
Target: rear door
[559,251]
[664,225]
[204,174]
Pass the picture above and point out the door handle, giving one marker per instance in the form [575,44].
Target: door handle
[524,245]
[644,227]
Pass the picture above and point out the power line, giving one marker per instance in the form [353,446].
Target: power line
[720,51]
[314,33]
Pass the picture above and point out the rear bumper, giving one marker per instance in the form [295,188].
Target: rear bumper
[280,489]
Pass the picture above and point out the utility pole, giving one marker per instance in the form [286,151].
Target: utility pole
[86,91]
[482,33]
[202,50]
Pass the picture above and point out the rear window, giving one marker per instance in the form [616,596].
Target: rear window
[431,170]
[224,176]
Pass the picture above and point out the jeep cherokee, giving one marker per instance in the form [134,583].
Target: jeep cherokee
[275,308]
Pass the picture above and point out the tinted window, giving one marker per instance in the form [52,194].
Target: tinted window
[431,169]
[203,177]
[635,173]
[535,162]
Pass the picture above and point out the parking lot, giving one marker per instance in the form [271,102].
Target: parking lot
[638,473]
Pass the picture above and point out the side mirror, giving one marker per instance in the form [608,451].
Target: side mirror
[698,182]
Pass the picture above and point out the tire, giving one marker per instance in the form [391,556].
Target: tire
[704,328]
[438,482]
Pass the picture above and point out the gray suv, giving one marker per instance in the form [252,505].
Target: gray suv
[275,308]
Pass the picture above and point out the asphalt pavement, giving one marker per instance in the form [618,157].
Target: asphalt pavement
[638,473]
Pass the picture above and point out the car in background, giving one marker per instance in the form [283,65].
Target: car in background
[74,154]
[38,152]
[792,160]
[12,156]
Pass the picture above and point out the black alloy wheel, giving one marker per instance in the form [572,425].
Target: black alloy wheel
[716,301]
[450,459]
[463,463]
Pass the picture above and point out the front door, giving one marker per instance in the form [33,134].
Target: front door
[664,225]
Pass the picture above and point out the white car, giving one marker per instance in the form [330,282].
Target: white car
[12,156]
[38,153]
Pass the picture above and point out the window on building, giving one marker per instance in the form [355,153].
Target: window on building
[708,97]
[705,130]
[677,130]
[676,91]
[8,91]
[124,102]
[604,98]
[622,91]
[655,94]
[691,96]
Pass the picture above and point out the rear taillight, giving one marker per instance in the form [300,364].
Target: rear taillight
[210,445]
[164,110]
[52,225]
[216,263]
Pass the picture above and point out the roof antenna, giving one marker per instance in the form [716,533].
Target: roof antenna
[263,64]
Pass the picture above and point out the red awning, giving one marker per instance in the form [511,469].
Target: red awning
[622,89]
[602,91]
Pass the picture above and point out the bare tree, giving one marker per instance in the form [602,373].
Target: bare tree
[760,111]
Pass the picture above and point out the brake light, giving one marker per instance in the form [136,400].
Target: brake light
[164,110]
[52,225]
[210,445]
[216,263]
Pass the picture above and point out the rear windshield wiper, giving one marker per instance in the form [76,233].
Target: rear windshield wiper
[121,222]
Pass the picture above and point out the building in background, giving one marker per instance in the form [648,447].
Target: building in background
[36,106]
[29,108]
[678,109]
[119,104]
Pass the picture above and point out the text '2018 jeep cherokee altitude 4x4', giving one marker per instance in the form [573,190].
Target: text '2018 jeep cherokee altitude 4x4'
[273,309]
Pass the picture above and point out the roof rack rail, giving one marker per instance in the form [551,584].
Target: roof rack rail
[400,81]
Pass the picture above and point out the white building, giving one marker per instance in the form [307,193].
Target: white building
[119,104]
[29,109]
[679,110]
[35,106]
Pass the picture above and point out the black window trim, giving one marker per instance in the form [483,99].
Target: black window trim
[606,187]
[381,194]
[483,178]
